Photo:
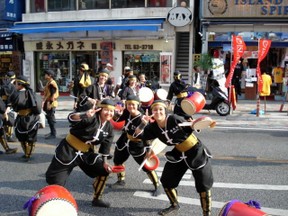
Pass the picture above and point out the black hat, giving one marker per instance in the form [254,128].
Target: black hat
[11,74]
[176,73]
[104,72]
[132,77]
[22,80]
[49,72]
[158,102]
[107,103]
[133,98]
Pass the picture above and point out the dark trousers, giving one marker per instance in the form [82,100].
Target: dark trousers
[50,116]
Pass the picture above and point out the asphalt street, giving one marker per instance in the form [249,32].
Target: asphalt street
[20,180]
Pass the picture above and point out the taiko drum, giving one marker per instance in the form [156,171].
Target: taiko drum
[54,200]
[193,104]
[237,208]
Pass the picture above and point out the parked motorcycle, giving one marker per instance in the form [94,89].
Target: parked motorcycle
[219,102]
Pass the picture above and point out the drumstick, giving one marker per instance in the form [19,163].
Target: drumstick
[185,124]
[157,147]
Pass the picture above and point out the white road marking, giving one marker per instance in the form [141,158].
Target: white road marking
[262,128]
[215,204]
[234,185]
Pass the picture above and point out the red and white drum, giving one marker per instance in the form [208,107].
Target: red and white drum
[54,200]
[193,104]
[146,96]
[160,94]
[152,163]
[237,208]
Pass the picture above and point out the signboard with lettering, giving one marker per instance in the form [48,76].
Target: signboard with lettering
[179,16]
[13,10]
[245,9]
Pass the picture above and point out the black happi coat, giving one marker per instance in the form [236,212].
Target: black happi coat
[172,135]
[26,127]
[135,148]
[88,130]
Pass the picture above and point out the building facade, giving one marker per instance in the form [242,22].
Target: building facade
[252,20]
[60,35]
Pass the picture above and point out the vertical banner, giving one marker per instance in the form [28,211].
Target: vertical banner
[263,48]
[238,48]
[165,67]
[106,52]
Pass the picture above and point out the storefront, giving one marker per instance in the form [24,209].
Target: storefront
[253,21]
[11,48]
[65,57]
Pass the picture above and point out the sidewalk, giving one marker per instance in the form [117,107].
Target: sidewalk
[271,118]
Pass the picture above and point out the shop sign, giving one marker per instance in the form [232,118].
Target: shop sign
[138,47]
[13,10]
[64,45]
[179,16]
[245,8]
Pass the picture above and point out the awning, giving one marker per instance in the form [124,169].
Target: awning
[275,44]
[106,25]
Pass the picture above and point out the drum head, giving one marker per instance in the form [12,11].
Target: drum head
[202,123]
[188,107]
[57,207]
[146,94]
[161,94]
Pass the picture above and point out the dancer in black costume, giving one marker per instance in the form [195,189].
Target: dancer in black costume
[130,142]
[89,127]
[188,153]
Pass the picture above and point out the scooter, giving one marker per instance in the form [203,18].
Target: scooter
[220,101]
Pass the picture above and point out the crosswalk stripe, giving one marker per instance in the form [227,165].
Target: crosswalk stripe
[215,204]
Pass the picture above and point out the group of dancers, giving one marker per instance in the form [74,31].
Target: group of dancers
[90,127]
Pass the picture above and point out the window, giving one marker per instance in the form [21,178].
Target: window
[93,4]
[37,6]
[127,3]
[159,3]
[61,5]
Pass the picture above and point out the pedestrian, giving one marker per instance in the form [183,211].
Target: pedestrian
[188,153]
[130,143]
[89,127]
[28,108]
[180,89]
[8,87]
[236,79]
[101,88]
[83,84]
[50,103]
[122,81]
[3,139]
[130,88]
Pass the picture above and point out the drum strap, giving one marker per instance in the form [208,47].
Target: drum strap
[182,95]
[131,138]
[77,143]
[189,143]
[24,112]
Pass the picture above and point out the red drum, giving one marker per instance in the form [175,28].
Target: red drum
[146,96]
[160,94]
[152,163]
[54,200]
[117,125]
[117,169]
[193,104]
[237,208]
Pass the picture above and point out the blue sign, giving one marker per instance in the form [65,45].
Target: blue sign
[13,10]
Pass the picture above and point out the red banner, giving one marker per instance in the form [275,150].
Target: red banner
[238,47]
[263,48]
